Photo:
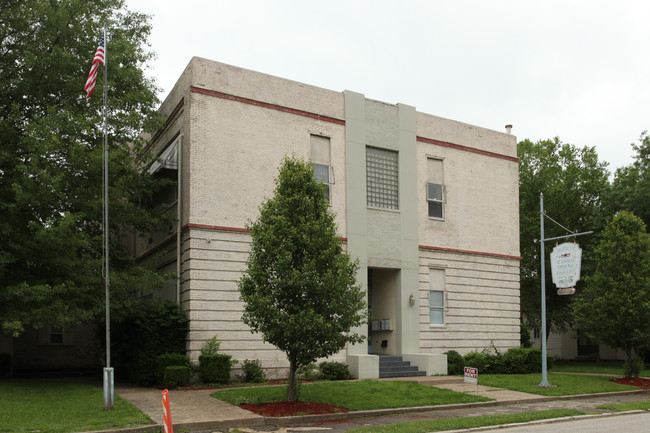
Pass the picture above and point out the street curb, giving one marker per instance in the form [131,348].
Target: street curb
[545,421]
[289,420]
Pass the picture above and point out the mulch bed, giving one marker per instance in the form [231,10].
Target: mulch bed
[640,382]
[284,408]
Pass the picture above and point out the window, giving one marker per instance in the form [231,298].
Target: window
[382,184]
[437,305]
[56,334]
[320,158]
[435,189]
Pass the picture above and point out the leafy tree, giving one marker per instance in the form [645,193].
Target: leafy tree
[300,288]
[614,307]
[631,186]
[51,199]
[572,180]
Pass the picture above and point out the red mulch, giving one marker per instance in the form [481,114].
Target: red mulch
[640,382]
[284,408]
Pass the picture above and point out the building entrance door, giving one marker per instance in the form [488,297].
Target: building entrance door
[382,299]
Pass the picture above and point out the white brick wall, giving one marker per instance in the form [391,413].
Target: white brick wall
[237,125]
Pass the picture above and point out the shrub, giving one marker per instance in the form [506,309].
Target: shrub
[476,360]
[252,372]
[455,364]
[308,372]
[176,376]
[334,371]
[215,368]
[516,361]
[211,347]
[168,360]
[141,332]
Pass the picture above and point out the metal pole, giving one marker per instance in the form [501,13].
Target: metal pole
[108,371]
[544,382]
[180,221]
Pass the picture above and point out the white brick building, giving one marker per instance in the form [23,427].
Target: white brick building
[428,205]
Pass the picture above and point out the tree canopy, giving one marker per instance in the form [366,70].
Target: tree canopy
[51,217]
[299,289]
[614,306]
[573,181]
[631,185]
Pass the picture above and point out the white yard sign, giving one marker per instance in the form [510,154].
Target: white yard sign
[471,375]
[565,264]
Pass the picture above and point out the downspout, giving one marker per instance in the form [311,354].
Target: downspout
[179,221]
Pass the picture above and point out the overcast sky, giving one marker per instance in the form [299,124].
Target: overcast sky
[575,69]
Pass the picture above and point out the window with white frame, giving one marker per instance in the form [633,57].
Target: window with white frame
[320,160]
[437,305]
[382,178]
[435,189]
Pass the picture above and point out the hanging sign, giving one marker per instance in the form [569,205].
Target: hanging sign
[566,259]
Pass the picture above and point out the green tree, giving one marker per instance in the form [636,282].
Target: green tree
[631,186]
[51,199]
[300,288]
[614,307]
[572,180]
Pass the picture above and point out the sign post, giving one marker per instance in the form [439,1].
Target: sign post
[544,383]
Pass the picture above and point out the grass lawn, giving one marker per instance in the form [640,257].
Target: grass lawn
[61,405]
[606,367]
[564,384]
[353,395]
[466,423]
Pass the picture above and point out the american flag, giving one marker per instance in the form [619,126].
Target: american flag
[92,76]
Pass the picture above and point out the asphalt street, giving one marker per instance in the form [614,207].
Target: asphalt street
[624,423]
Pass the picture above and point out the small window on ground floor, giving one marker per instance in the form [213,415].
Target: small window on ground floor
[437,297]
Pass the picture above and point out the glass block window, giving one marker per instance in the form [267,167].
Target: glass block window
[382,186]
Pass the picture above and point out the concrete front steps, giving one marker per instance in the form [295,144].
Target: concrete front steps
[394,366]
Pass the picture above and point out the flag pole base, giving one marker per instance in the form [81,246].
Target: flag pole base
[109,386]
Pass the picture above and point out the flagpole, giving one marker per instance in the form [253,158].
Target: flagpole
[108,371]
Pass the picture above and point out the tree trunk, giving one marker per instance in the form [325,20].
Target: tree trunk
[628,361]
[291,390]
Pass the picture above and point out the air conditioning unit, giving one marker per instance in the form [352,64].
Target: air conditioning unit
[385,325]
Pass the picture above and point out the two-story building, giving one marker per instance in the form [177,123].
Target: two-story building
[428,205]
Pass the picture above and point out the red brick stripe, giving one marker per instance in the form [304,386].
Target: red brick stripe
[466,149]
[267,105]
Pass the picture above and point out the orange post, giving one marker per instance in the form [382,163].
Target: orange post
[167,414]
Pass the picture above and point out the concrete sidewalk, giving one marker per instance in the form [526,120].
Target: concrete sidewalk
[195,410]
[190,409]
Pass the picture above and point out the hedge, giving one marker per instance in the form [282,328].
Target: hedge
[215,368]
[176,376]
